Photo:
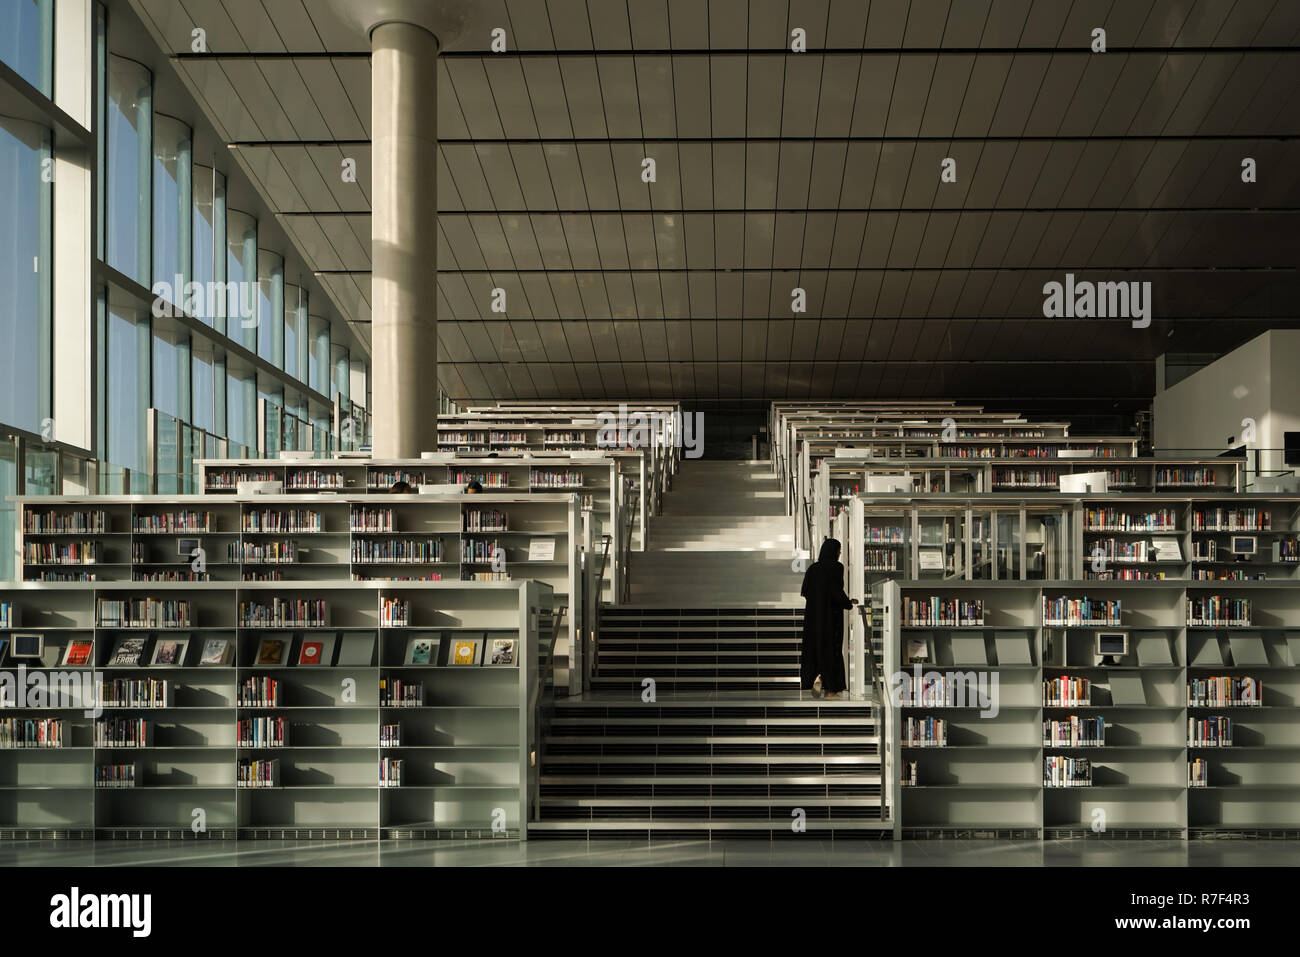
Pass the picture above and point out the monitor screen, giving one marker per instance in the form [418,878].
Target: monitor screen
[27,646]
[1243,545]
[1112,643]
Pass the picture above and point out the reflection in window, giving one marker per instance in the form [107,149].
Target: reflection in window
[241,409]
[339,373]
[241,279]
[295,332]
[27,41]
[127,393]
[172,216]
[319,360]
[171,373]
[25,274]
[201,385]
[128,161]
[270,307]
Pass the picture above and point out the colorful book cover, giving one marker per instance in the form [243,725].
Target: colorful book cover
[272,651]
[310,653]
[215,651]
[128,652]
[77,653]
[422,651]
[464,651]
[502,651]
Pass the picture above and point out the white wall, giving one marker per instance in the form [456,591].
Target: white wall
[1255,381]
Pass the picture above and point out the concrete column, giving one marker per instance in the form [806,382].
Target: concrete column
[404,239]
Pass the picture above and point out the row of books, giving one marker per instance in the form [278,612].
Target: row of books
[400,693]
[277,553]
[1062,771]
[1212,732]
[390,735]
[1081,611]
[1212,692]
[485,520]
[919,612]
[1118,520]
[398,551]
[123,733]
[394,613]
[60,553]
[908,773]
[569,478]
[230,478]
[384,479]
[142,613]
[1066,692]
[390,772]
[1198,773]
[1194,476]
[290,520]
[935,689]
[31,732]
[262,732]
[481,550]
[163,523]
[486,479]
[885,534]
[882,560]
[925,732]
[1125,575]
[1122,550]
[258,774]
[64,522]
[260,691]
[1075,732]
[1218,610]
[372,520]
[136,693]
[1025,478]
[115,775]
[284,613]
[1232,519]
[1226,575]
[7,618]
[312,479]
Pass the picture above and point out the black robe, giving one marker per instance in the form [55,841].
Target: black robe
[823,626]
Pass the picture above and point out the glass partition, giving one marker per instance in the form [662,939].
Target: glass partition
[27,41]
[130,117]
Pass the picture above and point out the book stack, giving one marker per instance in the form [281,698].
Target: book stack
[372,520]
[123,733]
[284,613]
[1244,692]
[399,693]
[259,774]
[507,437]
[1064,692]
[135,693]
[390,735]
[1081,612]
[390,772]
[1198,773]
[881,560]
[486,479]
[1115,550]
[1025,478]
[1060,771]
[1074,732]
[231,479]
[1212,732]
[885,534]
[925,732]
[1215,611]
[948,612]
[395,613]
[31,733]
[259,691]
[292,520]
[115,776]
[479,550]
[143,613]
[262,732]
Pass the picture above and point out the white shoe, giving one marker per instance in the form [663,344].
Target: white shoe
[817,688]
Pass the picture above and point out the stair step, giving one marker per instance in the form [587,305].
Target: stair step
[811,800]
[766,723]
[770,780]
[712,739]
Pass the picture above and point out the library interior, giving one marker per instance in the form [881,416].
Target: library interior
[422,423]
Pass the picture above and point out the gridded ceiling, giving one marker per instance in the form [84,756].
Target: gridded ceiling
[817,170]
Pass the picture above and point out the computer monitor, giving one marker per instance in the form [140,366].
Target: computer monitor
[1085,482]
[1243,545]
[26,646]
[887,484]
[186,547]
[1111,646]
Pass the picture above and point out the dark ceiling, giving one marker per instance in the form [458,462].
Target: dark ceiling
[818,170]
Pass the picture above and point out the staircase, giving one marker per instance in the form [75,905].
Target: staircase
[722,538]
[722,744]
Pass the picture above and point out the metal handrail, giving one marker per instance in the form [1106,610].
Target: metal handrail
[884,706]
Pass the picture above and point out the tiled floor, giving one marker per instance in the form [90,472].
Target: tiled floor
[623,853]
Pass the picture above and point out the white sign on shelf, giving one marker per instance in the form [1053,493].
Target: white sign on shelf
[541,550]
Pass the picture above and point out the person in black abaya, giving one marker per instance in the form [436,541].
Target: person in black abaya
[821,665]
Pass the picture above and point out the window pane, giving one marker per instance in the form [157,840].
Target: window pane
[127,391]
[319,363]
[27,40]
[293,337]
[25,207]
[270,307]
[129,118]
[171,206]
[203,229]
[201,386]
[8,486]
[241,279]
[171,373]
